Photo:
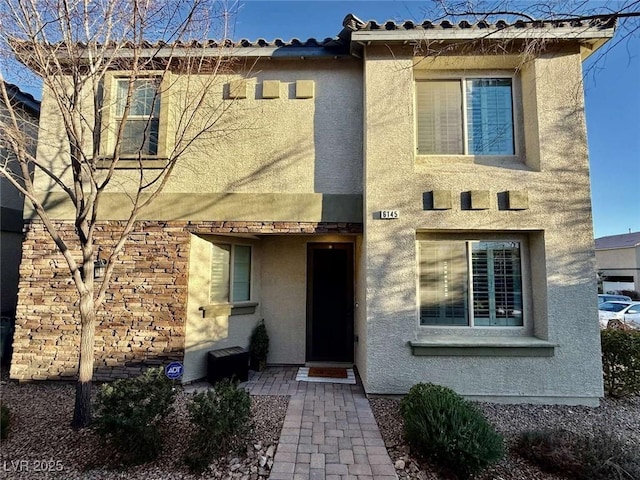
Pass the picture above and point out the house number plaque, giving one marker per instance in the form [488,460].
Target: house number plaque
[389,214]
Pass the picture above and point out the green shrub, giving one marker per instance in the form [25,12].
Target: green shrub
[601,456]
[129,413]
[221,419]
[621,361]
[442,426]
[5,417]
[259,347]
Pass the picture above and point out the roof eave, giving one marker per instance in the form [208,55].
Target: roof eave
[240,52]
[590,38]
[574,33]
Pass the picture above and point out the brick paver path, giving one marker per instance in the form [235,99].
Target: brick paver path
[329,431]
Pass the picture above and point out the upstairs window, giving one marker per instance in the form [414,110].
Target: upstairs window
[230,273]
[471,283]
[468,116]
[141,129]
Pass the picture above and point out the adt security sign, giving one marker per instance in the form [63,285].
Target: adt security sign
[173,371]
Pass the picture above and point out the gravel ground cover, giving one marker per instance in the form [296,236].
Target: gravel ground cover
[622,417]
[42,444]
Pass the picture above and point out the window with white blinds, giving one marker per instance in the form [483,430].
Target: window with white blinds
[471,283]
[141,128]
[230,273]
[468,116]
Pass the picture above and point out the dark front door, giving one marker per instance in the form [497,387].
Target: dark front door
[330,302]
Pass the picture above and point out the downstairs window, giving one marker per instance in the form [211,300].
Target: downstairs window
[472,283]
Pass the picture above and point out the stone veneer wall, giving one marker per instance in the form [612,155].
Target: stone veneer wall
[143,320]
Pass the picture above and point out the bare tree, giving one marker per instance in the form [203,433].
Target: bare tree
[624,13]
[108,122]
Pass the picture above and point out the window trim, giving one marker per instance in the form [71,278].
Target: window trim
[230,301]
[527,327]
[516,114]
[133,117]
[110,119]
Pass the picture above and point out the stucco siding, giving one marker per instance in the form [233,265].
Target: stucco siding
[284,293]
[267,146]
[561,282]
[284,297]
[211,330]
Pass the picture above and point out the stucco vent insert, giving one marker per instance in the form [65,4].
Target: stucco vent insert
[480,200]
[305,88]
[271,89]
[518,199]
[238,89]
[442,200]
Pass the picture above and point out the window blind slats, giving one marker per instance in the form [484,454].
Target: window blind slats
[489,117]
[241,273]
[219,285]
[443,283]
[439,117]
[488,107]
[495,276]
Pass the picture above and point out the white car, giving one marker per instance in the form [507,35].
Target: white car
[627,312]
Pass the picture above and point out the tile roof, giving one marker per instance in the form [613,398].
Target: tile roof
[23,99]
[626,240]
[354,23]
[341,44]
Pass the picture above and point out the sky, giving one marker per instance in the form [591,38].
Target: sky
[612,93]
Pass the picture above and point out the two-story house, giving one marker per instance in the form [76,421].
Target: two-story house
[412,199]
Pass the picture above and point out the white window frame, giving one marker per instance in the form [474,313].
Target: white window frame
[525,270]
[462,78]
[110,118]
[132,117]
[233,246]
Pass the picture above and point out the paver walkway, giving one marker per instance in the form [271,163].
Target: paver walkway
[329,431]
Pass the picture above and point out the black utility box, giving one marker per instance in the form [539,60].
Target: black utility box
[227,363]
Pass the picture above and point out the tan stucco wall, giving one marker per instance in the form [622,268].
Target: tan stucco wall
[275,146]
[562,263]
[279,287]
[284,297]
[360,310]
[284,293]
[216,330]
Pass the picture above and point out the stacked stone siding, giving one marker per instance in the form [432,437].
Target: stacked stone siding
[274,227]
[142,322]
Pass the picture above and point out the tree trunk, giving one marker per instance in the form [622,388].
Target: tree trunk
[82,409]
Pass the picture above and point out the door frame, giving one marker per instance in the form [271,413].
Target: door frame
[349,247]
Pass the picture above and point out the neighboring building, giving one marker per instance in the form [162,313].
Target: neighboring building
[618,262]
[406,214]
[11,207]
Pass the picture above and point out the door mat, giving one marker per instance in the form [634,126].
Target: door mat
[303,376]
[328,372]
